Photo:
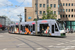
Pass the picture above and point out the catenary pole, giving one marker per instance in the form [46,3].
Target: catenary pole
[20,21]
[37,16]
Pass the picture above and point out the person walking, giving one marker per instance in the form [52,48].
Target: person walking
[71,30]
[67,30]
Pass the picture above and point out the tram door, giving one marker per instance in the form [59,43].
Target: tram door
[31,28]
[52,27]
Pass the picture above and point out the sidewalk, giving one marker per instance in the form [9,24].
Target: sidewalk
[70,34]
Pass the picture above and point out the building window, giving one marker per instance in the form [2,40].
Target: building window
[69,4]
[36,5]
[58,6]
[40,12]
[40,5]
[72,10]
[69,15]
[66,10]
[60,10]
[69,10]
[50,5]
[36,12]
[63,4]
[54,12]
[43,5]
[66,4]
[66,16]
[47,5]
[43,11]
[72,4]
[72,15]
[54,5]
[63,16]
[63,10]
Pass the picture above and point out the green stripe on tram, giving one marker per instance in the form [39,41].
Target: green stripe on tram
[62,34]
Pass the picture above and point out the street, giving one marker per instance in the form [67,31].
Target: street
[26,42]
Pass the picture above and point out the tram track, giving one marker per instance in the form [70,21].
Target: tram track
[31,46]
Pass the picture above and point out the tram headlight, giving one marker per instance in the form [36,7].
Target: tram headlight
[62,31]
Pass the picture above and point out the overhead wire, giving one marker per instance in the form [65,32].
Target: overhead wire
[18,6]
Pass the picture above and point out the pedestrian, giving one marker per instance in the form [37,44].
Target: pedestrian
[71,30]
[67,30]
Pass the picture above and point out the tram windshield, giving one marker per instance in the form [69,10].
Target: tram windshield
[61,25]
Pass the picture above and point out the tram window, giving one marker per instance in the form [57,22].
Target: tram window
[56,29]
[12,28]
[52,28]
[9,28]
[16,26]
[43,26]
[21,27]
[33,27]
[26,26]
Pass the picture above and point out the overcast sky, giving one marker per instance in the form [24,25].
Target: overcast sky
[12,8]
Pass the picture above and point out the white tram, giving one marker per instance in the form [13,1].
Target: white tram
[48,27]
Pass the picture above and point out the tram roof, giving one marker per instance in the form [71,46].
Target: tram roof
[27,22]
[46,20]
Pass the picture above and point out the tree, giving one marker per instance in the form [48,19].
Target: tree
[49,14]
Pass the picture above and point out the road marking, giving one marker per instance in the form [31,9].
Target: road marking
[5,49]
[21,44]
[69,47]
[60,44]
[39,48]
[65,49]
[73,40]
[50,46]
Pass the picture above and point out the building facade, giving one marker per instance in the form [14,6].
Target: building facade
[64,9]
[4,20]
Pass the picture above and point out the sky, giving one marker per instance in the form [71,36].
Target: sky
[13,8]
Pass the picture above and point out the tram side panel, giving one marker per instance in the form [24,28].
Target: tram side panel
[54,28]
[48,28]
[28,28]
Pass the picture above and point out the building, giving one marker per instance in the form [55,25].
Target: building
[6,21]
[2,20]
[29,14]
[64,9]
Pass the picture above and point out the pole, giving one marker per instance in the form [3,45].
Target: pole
[37,9]
[19,21]
[37,16]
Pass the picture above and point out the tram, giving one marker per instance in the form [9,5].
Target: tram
[47,27]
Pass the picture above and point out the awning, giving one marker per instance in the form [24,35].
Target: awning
[0,25]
